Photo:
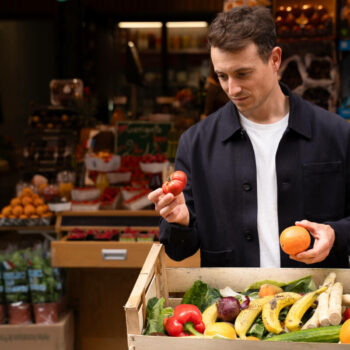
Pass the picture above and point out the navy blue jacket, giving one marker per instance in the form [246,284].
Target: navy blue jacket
[313,183]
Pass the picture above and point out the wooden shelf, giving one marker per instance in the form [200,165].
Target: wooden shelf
[28,228]
[105,219]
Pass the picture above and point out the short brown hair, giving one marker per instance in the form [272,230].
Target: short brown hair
[235,29]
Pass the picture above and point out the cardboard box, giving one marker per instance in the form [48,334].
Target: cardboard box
[157,280]
[57,336]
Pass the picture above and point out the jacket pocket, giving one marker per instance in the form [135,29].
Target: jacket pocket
[222,258]
[324,190]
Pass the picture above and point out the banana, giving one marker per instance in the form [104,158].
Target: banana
[298,309]
[271,310]
[210,315]
[246,317]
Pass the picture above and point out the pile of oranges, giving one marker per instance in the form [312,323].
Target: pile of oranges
[28,205]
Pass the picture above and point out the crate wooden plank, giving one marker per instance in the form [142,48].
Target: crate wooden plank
[137,342]
[180,279]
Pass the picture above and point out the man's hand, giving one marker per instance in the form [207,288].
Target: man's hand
[172,209]
[324,239]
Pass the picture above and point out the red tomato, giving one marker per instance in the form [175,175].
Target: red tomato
[176,183]
[347,314]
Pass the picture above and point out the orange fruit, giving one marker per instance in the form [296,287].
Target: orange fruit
[344,335]
[27,200]
[15,201]
[41,209]
[294,240]
[23,216]
[38,202]
[6,211]
[252,338]
[27,191]
[34,216]
[17,210]
[29,210]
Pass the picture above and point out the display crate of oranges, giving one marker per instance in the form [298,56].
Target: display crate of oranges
[27,209]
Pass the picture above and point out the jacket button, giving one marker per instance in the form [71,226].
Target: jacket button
[248,236]
[247,187]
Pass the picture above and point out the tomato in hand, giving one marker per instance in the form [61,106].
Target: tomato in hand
[176,183]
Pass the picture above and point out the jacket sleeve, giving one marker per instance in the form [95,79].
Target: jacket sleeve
[341,227]
[179,241]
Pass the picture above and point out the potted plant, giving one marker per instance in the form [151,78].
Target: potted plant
[45,287]
[17,288]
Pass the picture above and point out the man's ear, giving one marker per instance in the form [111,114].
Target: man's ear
[276,55]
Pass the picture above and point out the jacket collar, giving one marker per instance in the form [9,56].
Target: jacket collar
[299,120]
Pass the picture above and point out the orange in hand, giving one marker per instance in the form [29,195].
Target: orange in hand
[294,240]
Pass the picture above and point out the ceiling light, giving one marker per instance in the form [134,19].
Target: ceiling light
[140,24]
[186,24]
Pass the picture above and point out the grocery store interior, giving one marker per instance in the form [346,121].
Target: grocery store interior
[94,96]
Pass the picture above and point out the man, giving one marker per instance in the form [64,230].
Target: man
[265,161]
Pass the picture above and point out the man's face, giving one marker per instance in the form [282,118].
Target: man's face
[246,79]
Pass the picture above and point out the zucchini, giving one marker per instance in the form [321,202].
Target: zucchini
[329,334]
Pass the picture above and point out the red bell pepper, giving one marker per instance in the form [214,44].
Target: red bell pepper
[186,320]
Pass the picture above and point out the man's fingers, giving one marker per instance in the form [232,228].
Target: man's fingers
[154,195]
[165,211]
[309,225]
[311,260]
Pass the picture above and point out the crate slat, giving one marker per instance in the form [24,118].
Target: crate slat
[181,279]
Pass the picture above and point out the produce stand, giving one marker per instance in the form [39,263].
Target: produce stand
[158,280]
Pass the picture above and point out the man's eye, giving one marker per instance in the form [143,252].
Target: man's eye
[221,77]
[242,74]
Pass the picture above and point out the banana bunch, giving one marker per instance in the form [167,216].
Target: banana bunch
[246,317]
[300,304]
[297,311]
[271,310]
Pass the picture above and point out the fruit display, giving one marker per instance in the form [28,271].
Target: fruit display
[303,20]
[287,313]
[315,78]
[126,235]
[28,208]
[66,92]
[53,118]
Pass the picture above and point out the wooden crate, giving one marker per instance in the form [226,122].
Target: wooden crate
[156,279]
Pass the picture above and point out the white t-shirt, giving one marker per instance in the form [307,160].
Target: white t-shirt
[265,139]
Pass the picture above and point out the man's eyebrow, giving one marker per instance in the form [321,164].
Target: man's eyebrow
[241,69]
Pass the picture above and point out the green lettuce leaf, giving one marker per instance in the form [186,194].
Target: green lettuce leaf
[155,314]
[302,285]
[201,295]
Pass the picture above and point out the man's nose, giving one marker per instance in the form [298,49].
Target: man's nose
[233,88]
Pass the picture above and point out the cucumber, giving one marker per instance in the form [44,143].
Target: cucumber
[329,334]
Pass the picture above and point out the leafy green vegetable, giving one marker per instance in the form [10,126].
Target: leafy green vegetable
[257,285]
[155,314]
[15,277]
[45,281]
[302,285]
[201,295]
